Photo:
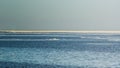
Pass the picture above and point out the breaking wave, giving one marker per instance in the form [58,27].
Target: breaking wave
[52,39]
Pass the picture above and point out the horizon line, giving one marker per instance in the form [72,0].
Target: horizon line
[82,31]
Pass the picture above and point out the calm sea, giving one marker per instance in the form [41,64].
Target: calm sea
[59,50]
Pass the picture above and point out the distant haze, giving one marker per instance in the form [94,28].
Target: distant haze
[59,14]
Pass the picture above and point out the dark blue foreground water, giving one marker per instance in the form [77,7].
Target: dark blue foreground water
[59,50]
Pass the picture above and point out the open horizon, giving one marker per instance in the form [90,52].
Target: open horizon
[59,33]
[82,31]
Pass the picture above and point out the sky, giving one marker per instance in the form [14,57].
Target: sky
[59,14]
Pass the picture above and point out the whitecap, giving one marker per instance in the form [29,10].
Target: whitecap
[115,39]
[53,39]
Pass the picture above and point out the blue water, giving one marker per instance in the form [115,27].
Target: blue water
[62,50]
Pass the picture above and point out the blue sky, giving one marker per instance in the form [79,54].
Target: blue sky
[60,14]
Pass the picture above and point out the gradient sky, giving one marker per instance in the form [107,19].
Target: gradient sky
[60,14]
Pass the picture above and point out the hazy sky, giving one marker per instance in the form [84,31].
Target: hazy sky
[60,14]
